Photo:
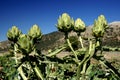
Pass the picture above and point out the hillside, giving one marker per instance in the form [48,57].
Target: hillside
[54,39]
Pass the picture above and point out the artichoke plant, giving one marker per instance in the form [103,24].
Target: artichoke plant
[99,27]
[25,44]
[35,33]
[65,23]
[13,34]
[79,25]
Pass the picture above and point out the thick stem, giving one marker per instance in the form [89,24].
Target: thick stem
[55,52]
[84,68]
[80,39]
[35,68]
[20,67]
[99,45]
[87,57]
[79,69]
[69,44]
[16,61]
[15,53]
[22,73]
[38,72]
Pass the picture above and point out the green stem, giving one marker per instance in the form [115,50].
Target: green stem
[87,57]
[80,39]
[15,53]
[79,68]
[35,69]
[22,73]
[55,52]
[69,44]
[16,61]
[38,72]
[84,68]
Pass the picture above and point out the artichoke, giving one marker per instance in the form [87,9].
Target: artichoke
[79,25]
[103,20]
[13,34]
[65,23]
[99,27]
[35,33]
[98,30]
[25,44]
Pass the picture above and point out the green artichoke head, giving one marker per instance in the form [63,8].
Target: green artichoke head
[25,44]
[99,27]
[103,21]
[65,23]
[35,32]
[98,30]
[13,34]
[79,25]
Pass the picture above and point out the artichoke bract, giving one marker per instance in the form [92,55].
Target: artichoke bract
[25,44]
[65,23]
[13,34]
[103,20]
[99,27]
[79,25]
[35,32]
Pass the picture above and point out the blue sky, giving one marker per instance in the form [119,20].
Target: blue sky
[25,13]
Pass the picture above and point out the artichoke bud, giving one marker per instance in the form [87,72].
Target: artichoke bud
[103,21]
[100,26]
[79,25]
[13,34]
[25,44]
[35,32]
[98,30]
[65,23]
